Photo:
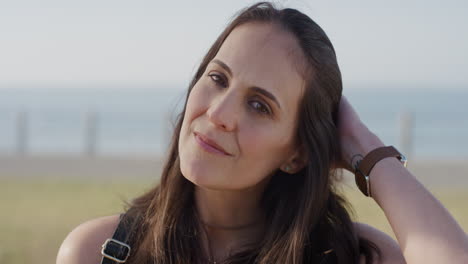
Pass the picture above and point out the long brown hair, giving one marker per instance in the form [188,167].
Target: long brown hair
[305,214]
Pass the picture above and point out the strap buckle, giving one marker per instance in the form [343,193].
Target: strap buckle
[119,251]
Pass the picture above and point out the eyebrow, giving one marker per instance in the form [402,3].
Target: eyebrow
[255,88]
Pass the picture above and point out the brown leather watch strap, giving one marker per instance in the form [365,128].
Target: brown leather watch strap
[365,166]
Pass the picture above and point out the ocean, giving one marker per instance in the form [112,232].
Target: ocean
[139,121]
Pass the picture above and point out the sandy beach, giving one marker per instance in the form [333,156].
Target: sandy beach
[74,166]
[431,172]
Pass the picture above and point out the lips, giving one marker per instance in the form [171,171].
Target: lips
[211,143]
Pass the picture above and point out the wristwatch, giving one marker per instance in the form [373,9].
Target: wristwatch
[364,166]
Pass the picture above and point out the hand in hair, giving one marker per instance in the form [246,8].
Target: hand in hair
[355,138]
[425,230]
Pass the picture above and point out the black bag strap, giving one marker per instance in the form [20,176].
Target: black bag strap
[117,249]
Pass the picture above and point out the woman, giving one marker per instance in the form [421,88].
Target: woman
[249,175]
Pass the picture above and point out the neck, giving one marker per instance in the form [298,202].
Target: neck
[227,209]
[229,219]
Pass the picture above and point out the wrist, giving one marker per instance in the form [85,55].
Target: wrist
[367,165]
[368,142]
[364,141]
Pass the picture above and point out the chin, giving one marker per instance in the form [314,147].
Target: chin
[198,175]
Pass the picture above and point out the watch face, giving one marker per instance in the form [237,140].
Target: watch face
[362,181]
[403,160]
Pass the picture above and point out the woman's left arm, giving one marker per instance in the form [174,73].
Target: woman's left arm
[425,230]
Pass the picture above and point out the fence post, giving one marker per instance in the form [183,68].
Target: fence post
[406,133]
[90,133]
[22,132]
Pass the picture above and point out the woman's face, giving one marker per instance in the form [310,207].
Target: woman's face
[246,102]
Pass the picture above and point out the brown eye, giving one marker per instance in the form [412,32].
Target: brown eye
[260,108]
[218,79]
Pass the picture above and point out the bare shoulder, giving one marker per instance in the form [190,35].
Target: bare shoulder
[83,244]
[391,252]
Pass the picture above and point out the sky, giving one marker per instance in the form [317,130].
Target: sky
[112,43]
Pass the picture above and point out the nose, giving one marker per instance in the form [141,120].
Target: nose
[224,111]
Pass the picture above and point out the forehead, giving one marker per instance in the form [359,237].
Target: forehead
[263,55]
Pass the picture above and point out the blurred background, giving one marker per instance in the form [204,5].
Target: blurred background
[89,91]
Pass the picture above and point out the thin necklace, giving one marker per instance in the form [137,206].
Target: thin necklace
[230,227]
[203,224]
[210,252]
[211,260]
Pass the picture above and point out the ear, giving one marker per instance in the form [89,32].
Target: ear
[296,162]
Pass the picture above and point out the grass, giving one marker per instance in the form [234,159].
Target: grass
[37,214]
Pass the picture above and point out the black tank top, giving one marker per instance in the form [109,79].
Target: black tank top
[118,249]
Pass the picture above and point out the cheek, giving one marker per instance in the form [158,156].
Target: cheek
[198,101]
[267,139]
[264,147]
[195,105]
